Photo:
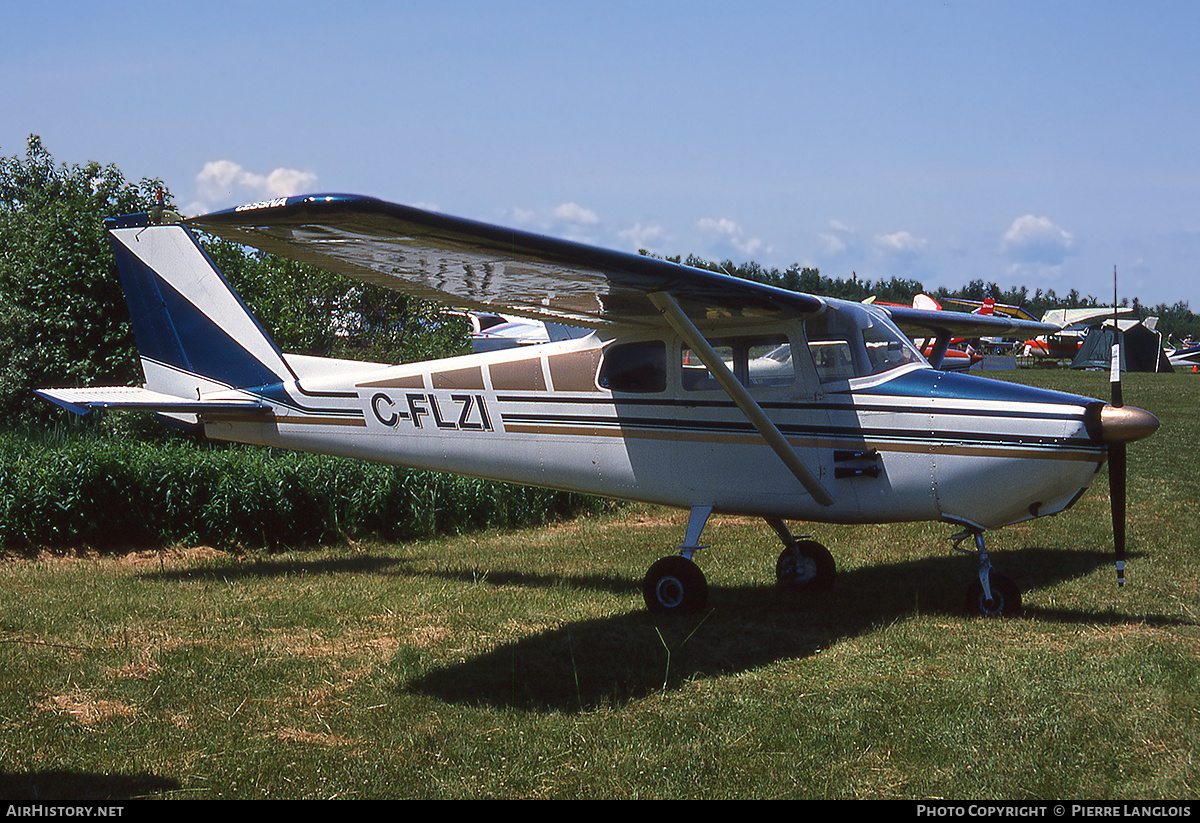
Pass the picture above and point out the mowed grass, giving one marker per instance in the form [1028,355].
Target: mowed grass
[523,664]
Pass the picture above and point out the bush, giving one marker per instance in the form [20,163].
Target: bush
[112,494]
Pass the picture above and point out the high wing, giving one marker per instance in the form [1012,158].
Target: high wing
[933,323]
[1071,319]
[997,308]
[482,267]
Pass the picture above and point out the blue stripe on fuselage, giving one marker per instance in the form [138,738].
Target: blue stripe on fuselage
[940,385]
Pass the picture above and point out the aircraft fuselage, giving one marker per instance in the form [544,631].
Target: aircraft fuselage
[913,443]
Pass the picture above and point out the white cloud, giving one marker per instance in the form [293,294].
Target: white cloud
[832,244]
[564,220]
[572,221]
[639,236]
[728,233]
[224,182]
[520,216]
[838,240]
[575,213]
[287,182]
[901,243]
[1037,240]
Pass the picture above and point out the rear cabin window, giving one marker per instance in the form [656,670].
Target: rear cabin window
[635,367]
[758,362]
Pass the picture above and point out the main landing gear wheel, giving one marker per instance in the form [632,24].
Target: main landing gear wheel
[805,565]
[675,585]
[1005,601]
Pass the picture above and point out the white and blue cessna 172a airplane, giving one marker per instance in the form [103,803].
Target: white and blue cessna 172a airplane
[677,386]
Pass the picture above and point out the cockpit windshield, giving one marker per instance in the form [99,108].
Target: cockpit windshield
[851,340]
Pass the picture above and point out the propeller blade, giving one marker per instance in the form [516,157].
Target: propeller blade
[1116,425]
[1116,484]
[1116,451]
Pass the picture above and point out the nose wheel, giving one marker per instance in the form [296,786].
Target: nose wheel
[805,565]
[991,594]
[1005,599]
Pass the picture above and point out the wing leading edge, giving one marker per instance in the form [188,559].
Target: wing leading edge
[479,266]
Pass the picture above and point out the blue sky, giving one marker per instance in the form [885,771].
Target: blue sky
[1023,143]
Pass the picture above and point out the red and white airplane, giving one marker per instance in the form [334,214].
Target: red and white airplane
[1073,327]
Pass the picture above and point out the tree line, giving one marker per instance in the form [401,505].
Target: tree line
[1176,320]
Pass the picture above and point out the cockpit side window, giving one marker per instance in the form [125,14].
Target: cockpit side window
[851,341]
[888,348]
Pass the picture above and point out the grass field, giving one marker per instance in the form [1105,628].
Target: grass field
[523,664]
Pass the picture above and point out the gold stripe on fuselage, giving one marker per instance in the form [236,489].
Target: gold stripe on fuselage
[1000,450]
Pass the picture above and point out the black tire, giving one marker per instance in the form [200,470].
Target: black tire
[807,566]
[1005,602]
[675,585]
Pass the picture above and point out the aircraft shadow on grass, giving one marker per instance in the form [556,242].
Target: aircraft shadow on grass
[612,660]
[65,784]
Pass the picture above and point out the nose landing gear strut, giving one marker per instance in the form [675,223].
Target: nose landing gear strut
[991,594]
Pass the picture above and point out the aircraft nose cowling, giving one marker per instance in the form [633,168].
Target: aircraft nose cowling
[1121,424]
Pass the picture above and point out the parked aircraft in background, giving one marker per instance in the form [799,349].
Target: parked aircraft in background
[684,387]
[490,332]
[1073,327]
[992,345]
[990,306]
[1186,354]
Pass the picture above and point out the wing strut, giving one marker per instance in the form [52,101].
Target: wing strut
[938,352]
[684,327]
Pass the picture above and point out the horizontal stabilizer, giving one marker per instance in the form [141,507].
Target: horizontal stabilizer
[84,401]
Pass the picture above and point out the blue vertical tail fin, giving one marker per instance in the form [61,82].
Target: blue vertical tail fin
[194,334]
